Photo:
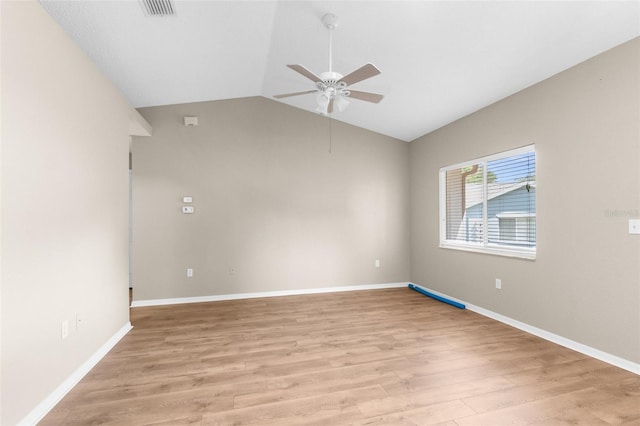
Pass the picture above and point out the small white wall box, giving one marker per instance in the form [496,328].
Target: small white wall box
[187,209]
[191,121]
[187,199]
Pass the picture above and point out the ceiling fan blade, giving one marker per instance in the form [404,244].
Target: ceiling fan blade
[362,73]
[365,96]
[286,95]
[304,71]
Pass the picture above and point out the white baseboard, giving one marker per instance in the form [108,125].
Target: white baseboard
[56,396]
[221,297]
[562,341]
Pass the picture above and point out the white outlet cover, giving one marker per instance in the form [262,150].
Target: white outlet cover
[634,226]
[187,209]
[187,199]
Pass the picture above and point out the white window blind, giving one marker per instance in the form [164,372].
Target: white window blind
[489,204]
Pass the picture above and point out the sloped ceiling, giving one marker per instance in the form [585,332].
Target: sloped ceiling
[440,60]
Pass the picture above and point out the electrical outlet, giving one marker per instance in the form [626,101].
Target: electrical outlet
[498,283]
[189,272]
[232,271]
[64,329]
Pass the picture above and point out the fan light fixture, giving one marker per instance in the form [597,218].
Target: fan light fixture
[331,91]
[331,87]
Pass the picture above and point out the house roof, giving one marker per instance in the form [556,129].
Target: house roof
[440,60]
[474,194]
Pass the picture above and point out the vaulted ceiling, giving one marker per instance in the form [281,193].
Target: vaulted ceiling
[440,60]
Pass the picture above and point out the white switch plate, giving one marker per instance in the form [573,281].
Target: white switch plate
[187,199]
[498,283]
[634,226]
[190,272]
[377,263]
[64,329]
[187,209]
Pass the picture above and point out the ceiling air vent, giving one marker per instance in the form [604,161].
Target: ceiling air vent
[158,7]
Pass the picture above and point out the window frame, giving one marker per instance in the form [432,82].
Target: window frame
[528,253]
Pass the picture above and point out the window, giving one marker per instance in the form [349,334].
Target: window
[489,204]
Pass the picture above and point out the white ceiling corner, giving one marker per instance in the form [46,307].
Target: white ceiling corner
[440,60]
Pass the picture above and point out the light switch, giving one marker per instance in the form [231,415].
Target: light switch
[187,209]
[187,199]
[634,226]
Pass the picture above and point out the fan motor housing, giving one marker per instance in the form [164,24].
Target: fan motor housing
[331,77]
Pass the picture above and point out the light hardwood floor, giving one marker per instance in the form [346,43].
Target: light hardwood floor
[375,357]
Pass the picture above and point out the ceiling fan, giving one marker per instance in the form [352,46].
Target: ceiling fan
[332,88]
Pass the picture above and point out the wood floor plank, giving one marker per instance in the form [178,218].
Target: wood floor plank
[450,392]
[150,409]
[191,420]
[382,357]
[606,405]
[429,415]
[176,384]
[286,412]
[517,395]
[536,411]
[571,418]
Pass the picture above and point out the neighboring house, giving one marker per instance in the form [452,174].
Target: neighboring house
[511,213]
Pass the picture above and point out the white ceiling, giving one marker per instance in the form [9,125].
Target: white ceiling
[440,60]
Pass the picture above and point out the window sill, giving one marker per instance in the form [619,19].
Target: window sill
[496,251]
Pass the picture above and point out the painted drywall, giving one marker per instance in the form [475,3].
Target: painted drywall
[63,208]
[284,199]
[585,283]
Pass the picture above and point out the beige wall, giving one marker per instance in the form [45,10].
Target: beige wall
[270,201]
[585,283]
[64,208]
